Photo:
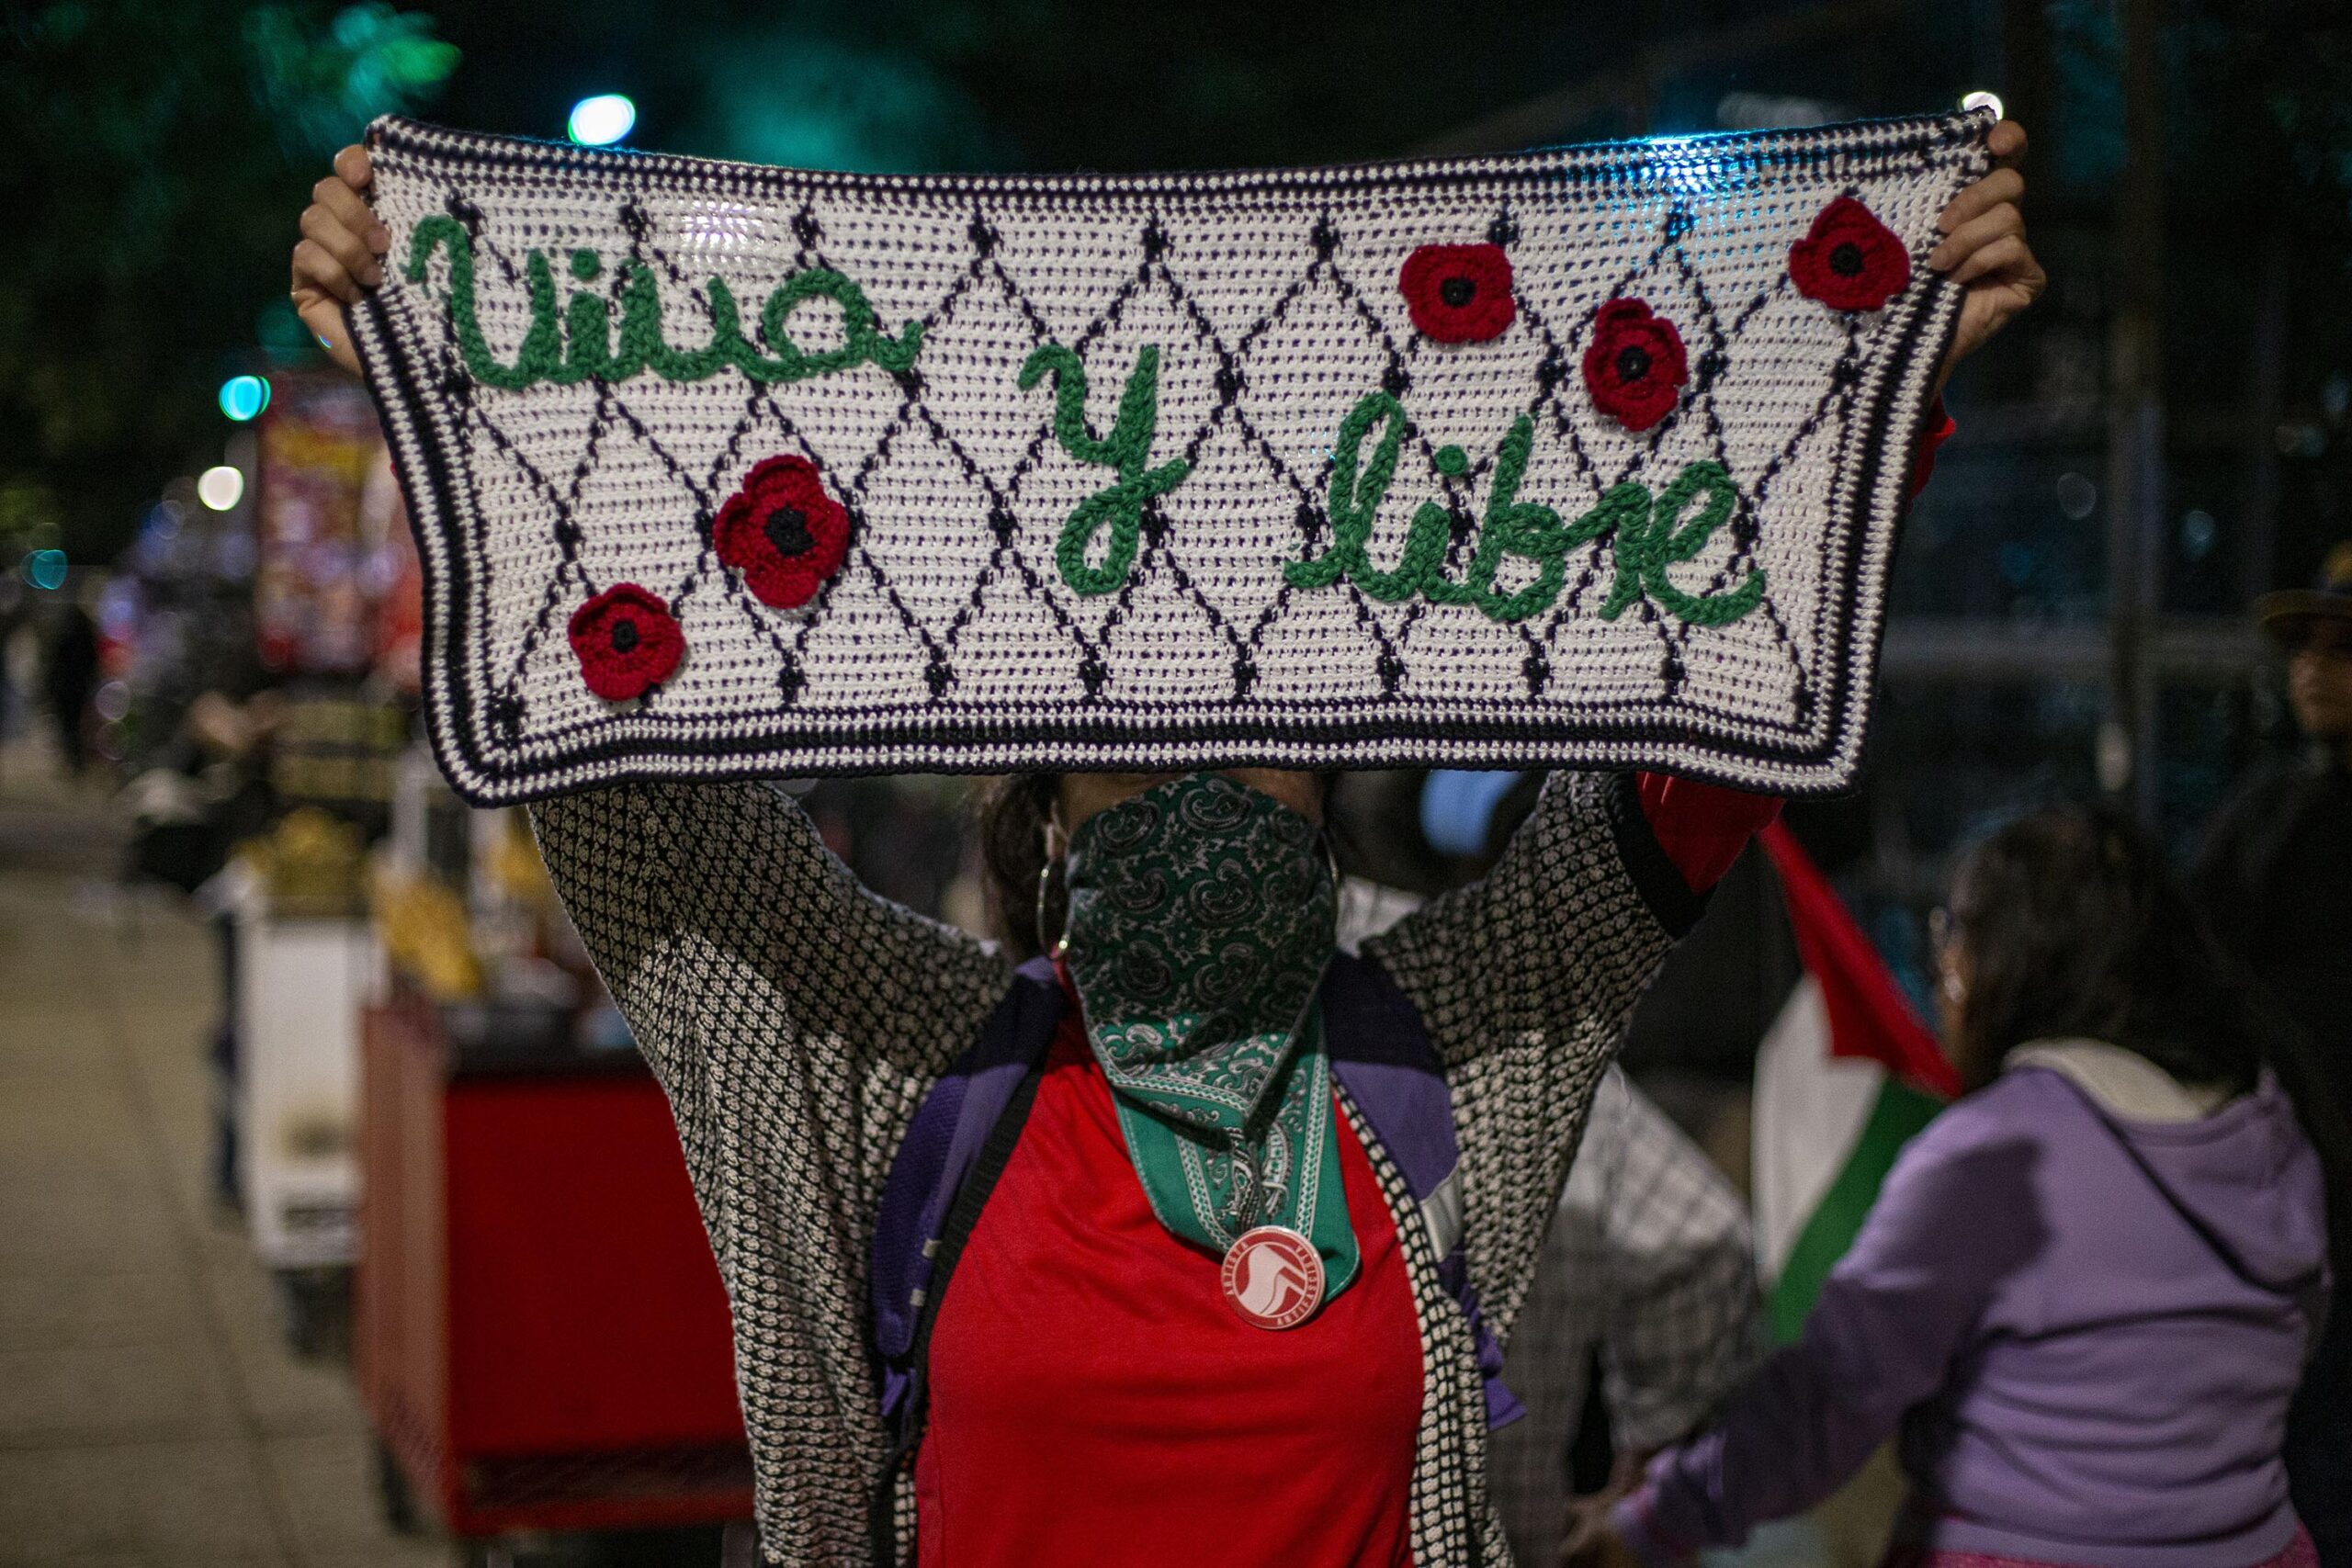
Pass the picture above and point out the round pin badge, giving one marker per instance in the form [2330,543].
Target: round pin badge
[1274,1278]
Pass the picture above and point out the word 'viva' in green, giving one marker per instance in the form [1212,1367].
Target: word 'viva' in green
[1647,533]
[577,343]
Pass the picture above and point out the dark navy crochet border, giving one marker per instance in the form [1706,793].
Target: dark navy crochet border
[1889,419]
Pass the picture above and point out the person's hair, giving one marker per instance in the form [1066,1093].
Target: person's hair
[2074,928]
[1011,814]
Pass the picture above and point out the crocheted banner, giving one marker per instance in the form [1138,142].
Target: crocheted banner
[1589,456]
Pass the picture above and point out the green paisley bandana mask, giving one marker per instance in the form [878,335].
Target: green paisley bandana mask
[1202,914]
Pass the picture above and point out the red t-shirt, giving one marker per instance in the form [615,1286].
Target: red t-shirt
[1094,1399]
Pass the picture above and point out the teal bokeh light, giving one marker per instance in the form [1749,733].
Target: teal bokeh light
[242,397]
[45,569]
[601,120]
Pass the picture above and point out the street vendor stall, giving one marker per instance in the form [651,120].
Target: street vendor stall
[307,964]
[542,1339]
[541,1335]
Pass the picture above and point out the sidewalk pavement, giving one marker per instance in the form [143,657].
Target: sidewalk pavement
[150,1413]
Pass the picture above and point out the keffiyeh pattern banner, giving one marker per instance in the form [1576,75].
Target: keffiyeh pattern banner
[1583,457]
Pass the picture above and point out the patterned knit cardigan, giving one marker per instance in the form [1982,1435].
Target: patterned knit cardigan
[796,1021]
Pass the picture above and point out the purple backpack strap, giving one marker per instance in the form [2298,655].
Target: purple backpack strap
[938,1152]
[1381,1052]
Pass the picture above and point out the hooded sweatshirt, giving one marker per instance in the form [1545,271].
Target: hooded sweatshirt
[2085,1326]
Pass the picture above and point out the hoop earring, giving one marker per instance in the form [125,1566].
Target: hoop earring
[1051,945]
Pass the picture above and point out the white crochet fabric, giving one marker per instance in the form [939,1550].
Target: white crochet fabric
[949,639]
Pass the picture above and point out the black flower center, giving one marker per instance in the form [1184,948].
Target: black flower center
[787,530]
[1632,363]
[1457,291]
[624,637]
[1846,259]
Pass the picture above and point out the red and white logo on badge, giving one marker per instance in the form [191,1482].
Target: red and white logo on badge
[1274,1278]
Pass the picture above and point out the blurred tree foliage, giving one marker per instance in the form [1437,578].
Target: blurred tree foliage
[159,151]
[317,86]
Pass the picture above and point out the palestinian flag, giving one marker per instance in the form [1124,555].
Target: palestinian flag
[1846,1076]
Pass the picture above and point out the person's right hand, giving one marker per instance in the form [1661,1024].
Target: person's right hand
[340,253]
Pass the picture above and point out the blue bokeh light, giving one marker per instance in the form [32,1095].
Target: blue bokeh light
[601,120]
[242,397]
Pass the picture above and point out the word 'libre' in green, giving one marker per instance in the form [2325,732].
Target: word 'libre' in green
[1647,533]
[577,343]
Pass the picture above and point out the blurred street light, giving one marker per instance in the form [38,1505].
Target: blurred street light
[242,397]
[220,487]
[601,120]
[1982,100]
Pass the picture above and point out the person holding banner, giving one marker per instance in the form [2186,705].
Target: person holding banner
[1233,1221]
[2087,1290]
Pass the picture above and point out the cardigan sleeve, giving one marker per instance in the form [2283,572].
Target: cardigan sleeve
[777,1000]
[1524,981]
[796,1021]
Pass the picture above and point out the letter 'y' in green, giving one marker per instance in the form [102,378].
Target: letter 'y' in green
[1126,450]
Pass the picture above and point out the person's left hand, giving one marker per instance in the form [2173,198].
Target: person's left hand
[1983,249]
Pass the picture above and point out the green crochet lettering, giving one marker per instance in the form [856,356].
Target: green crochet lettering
[1646,545]
[1353,499]
[587,324]
[578,344]
[1645,535]
[1512,527]
[641,339]
[862,335]
[1126,450]
[540,352]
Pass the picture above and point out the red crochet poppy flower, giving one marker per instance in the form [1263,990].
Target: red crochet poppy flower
[1458,293]
[783,532]
[625,640]
[1635,367]
[1848,260]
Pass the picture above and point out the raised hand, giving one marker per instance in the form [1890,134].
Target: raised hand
[1985,251]
[341,253]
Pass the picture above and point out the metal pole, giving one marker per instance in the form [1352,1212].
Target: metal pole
[2129,751]
[2257,529]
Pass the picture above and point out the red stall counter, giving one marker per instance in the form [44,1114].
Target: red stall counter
[542,1339]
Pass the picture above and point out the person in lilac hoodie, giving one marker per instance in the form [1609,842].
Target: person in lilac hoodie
[2088,1289]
